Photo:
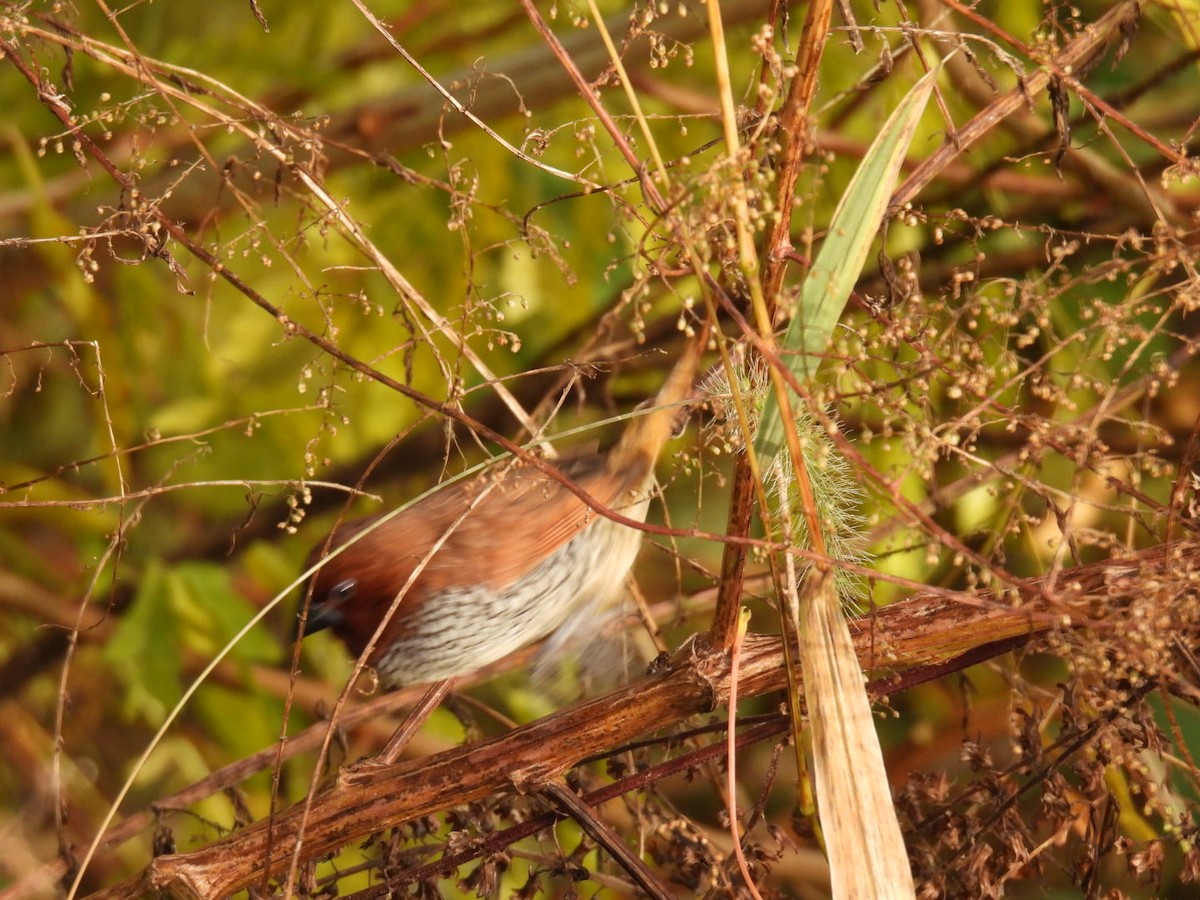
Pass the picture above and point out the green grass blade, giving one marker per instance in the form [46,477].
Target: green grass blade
[840,260]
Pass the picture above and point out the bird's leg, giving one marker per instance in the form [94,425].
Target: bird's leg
[416,717]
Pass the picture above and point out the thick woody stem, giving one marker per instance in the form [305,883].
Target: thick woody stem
[926,636]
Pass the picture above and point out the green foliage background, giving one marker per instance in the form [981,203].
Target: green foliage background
[1017,297]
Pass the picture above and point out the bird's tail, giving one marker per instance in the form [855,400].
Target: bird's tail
[637,450]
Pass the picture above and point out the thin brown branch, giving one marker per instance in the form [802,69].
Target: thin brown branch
[578,809]
[733,559]
[1096,36]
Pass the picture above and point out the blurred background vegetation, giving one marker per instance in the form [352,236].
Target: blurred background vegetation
[1018,363]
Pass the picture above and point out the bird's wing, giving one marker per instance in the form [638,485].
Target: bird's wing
[525,517]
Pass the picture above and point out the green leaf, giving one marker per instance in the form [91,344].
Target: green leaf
[144,650]
[240,722]
[217,611]
[840,260]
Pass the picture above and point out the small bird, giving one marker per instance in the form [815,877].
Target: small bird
[519,564]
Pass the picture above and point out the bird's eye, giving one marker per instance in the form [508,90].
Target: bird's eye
[342,591]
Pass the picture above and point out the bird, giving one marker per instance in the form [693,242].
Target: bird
[523,562]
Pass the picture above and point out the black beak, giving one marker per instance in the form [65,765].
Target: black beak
[326,612]
[319,618]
